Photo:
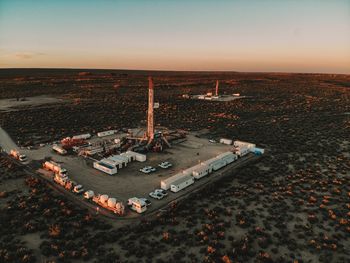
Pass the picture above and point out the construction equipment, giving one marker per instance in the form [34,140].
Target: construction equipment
[68,142]
[21,157]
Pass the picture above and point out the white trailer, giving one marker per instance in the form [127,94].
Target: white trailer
[21,157]
[244,144]
[82,136]
[182,183]
[106,133]
[55,167]
[217,164]
[226,141]
[201,170]
[140,157]
[165,184]
[105,167]
[116,162]
[228,157]
[59,149]
[242,151]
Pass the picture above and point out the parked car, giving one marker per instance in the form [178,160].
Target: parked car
[145,170]
[165,165]
[156,195]
[147,202]
[212,141]
[163,192]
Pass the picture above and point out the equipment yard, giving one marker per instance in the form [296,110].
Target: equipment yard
[129,181]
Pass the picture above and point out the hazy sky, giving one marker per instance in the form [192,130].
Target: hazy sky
[247,35]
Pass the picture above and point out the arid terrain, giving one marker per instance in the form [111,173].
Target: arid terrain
[292,205]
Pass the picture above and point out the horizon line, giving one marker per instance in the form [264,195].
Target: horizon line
[181,71]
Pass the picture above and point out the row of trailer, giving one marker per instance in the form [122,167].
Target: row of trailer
[113,163]
[187,177]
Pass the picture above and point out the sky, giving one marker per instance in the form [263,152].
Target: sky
[220,35]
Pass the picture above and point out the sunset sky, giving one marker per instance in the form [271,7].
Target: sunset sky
[250,35]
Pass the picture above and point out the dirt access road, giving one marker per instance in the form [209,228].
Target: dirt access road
[6,143]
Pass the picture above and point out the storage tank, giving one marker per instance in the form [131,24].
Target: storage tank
[103,198]
[111,202]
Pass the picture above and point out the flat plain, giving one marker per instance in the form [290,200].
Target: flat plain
[293,205]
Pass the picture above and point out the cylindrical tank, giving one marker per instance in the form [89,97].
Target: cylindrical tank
[111,202]
[120,208]
[103,198]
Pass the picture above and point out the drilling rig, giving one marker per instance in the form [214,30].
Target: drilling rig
[155,140]
[217,89]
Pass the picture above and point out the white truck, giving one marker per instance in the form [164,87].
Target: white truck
[21,157]
[59,149]
[55,167]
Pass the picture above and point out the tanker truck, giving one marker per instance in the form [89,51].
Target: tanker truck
[55,167]
[109,203]
[15,154]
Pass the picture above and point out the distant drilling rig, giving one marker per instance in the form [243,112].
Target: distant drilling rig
[217,88]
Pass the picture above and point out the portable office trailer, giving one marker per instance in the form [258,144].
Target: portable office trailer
[217,164]
[105,167]
[226,141]
[181,183]
[165,184]
[106,133]
[140,157]
[82,136]
[229,157]
[241,151]
[129,155]
[244,144]
[122,160]
[201,170]
[116,163]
